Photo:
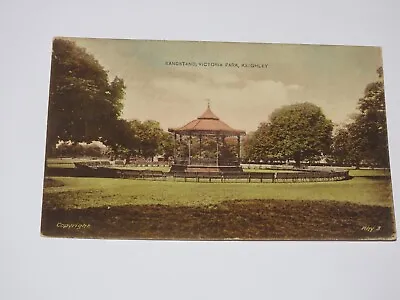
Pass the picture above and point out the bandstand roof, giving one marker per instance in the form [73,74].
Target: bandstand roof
[207,123]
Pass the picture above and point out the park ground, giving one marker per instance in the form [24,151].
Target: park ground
[360,208]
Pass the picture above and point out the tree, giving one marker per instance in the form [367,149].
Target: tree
[258,144]
[228,150]
[151,136]
[124,141]
[83,104]
[167,145]
[364,140]
[247,154]
[93,150]
[345,151]
[145,139]
[299,131]
[340,146]
[370,128]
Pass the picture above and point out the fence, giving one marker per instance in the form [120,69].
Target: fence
[262,177]
[105,171]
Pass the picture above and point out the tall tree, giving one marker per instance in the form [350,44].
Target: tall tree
[370,128]
[345,149]
[228,150]
[299,131]
[83,104]
[149,138]
[167,145]
[364,140]
[124,140]
[258,144]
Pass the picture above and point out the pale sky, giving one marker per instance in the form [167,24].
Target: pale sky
[332,77]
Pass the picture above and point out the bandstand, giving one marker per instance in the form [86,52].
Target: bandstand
[207,125]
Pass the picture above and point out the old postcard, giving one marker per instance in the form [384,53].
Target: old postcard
[216,141]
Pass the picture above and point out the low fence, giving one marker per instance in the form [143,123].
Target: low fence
[262,177]
[94,163]
[100,163]
[88,170]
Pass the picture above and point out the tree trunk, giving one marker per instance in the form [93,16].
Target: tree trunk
[298,163]
[128,158]
[297,158]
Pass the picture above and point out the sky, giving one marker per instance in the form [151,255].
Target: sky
[332,77]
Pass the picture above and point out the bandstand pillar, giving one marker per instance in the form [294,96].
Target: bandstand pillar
[217,139]
[174,146]
[180,146]
[200,146]
[238,148]
[190,143]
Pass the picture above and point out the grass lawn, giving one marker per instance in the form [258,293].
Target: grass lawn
[368,172]
[137,209]
[246,219]
[60,161]
[74,192]
[62,165]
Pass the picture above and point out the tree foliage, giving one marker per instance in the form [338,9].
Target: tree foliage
[257,145]
[364,140]
[344,151]
[227,147]
[299,131]
[80,149]
[83,104]
[151,137]
[141,139]
[138,139]
[370,125]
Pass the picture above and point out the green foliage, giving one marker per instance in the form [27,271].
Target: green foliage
[299,131]
[144,139]
[227,147]
[83,104]
[167,145]
[123,142]
[364,141]
[344,152]
[150,136]
[257,145]
[370,125]
[208,147]
[76,150]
